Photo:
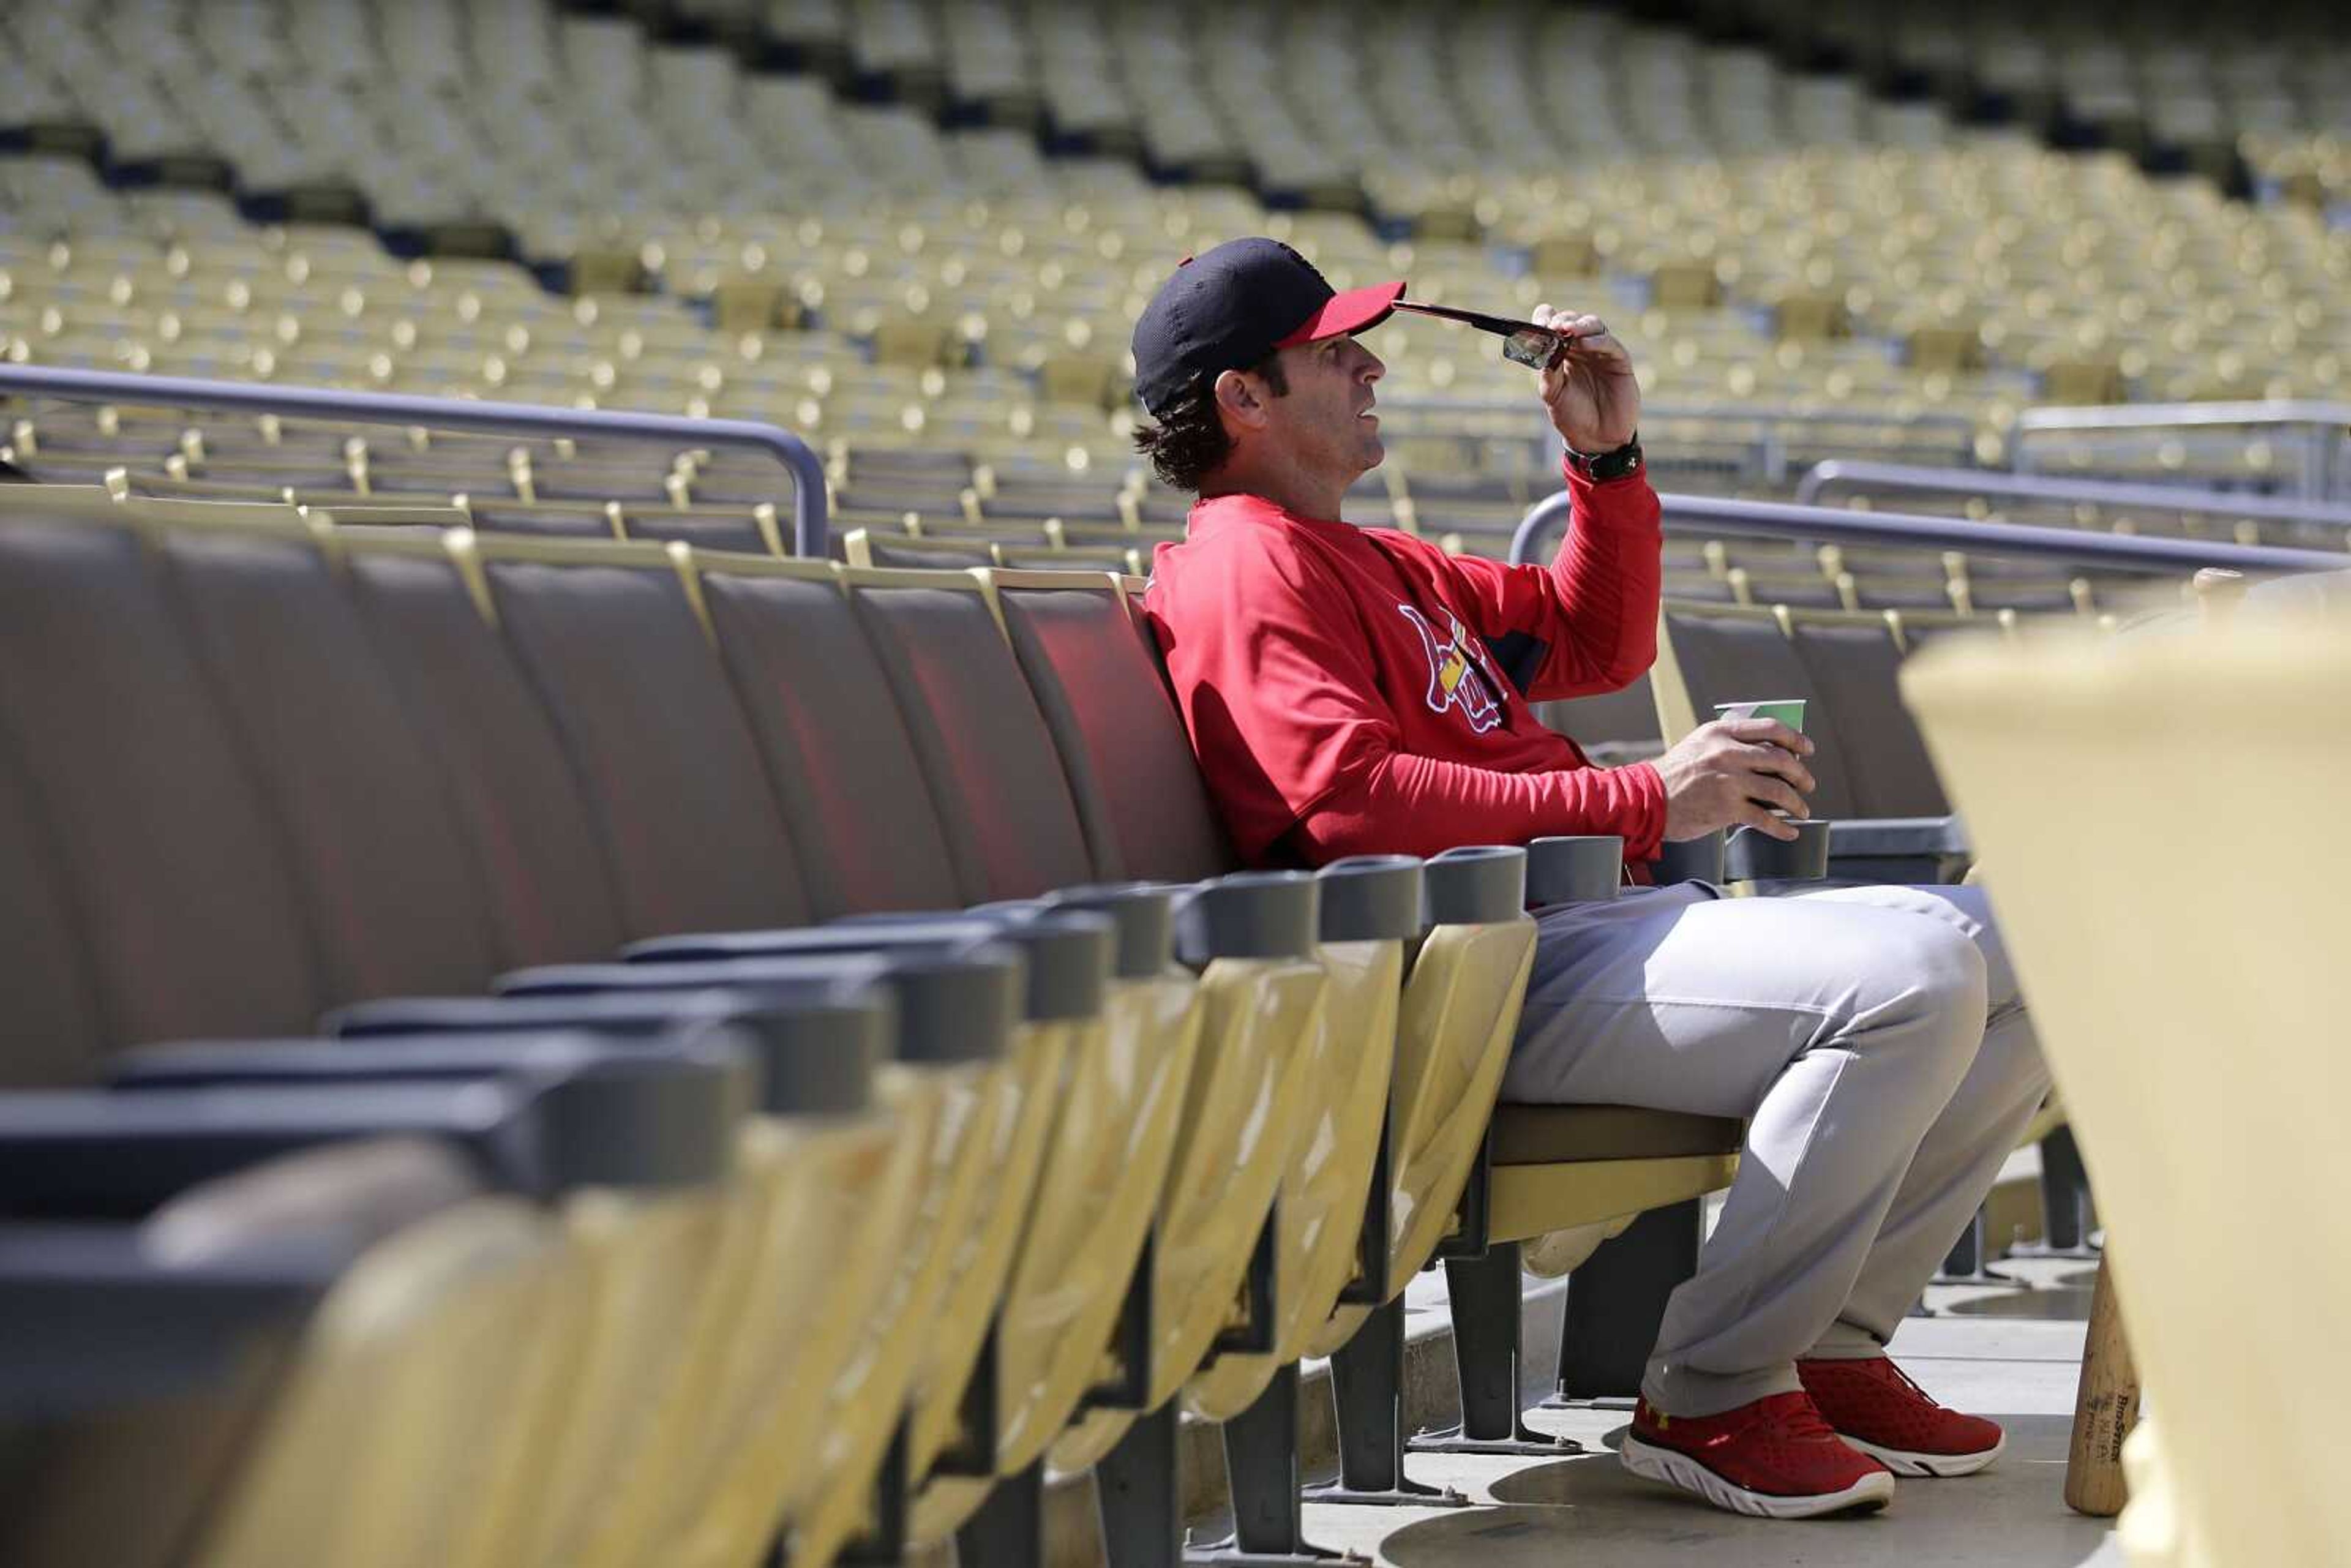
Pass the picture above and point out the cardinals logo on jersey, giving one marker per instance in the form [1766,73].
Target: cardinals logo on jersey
[1456,679]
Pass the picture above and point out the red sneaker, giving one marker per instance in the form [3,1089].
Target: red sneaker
[1774,1458]
[1881,1412]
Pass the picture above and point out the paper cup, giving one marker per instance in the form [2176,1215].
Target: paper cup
[1789,711]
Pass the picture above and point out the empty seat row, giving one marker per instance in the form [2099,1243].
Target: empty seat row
[407,762]
[1872,781]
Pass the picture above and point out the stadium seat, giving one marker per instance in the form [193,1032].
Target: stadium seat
[832,1165]
[874,548]
[999,1145]
[1093,670]
[2056,749]
[1873,783]
[383,1246]
[1056,1292]
[659,1245]
[1370,907]
[523,1388]
[668,763]
[1613,727]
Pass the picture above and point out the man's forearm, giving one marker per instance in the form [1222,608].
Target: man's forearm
[1607,577]
[1403,804]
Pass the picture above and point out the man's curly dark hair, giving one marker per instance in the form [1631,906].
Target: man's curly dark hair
[1189,442]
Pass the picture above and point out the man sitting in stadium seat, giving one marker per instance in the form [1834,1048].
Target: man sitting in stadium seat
[1355,690]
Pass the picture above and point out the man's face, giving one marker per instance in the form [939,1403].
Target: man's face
[1326,419]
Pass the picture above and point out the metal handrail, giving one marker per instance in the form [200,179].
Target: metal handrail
[810,534]
[2170,415]
[1839,473]
[2317,429]
[1717,518]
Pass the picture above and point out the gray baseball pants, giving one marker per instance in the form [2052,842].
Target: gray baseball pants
[1873,1038]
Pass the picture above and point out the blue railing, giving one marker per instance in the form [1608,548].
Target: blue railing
[810,524]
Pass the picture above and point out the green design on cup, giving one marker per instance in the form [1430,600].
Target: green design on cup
[1789,711]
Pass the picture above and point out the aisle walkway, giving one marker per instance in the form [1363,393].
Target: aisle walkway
[1584,1512]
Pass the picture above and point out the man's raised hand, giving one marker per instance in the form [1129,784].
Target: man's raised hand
[1733,773]
[1589,387]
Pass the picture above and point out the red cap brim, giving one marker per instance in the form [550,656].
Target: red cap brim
[1349,311]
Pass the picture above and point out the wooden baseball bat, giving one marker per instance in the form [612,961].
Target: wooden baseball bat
[2106,1407]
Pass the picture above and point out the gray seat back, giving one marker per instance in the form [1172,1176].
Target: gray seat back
[181,886]
[1733,658]
[390,897]
[1856,669]
[1130,764]
[1618,719]
[49,1033]
[663,753]
[838,752]
[512,790]
[1011,821]
[715,530]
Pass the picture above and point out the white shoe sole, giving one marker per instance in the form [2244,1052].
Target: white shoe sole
[1875,1489]
[1939,1466]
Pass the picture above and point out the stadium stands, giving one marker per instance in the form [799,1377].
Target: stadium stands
[216,598]
[704,1049]
[1809,288]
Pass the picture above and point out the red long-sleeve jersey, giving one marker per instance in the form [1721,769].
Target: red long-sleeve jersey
[1353,691]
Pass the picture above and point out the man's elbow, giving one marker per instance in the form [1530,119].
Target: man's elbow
[1633,658]
[1330,832]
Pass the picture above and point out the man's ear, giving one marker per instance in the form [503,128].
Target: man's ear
[1240,399]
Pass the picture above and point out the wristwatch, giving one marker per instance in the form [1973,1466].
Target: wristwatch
[1601,466]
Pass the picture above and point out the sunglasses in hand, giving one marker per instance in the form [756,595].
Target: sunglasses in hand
[1523,343]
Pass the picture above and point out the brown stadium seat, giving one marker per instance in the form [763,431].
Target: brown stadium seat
[1706,654]
[514,793]
[708,528]
[493,515]
[1012,823]
[50,1031]
[1855,665]
[346,776]
[875,547]
[178,882]
[838,751]
[1145,808]
[616,650]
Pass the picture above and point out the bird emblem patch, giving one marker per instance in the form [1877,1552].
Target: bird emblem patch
[1456,679]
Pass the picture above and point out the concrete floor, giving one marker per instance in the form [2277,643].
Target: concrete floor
[1993,1351]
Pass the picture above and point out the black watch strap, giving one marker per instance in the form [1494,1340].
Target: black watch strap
[1601,466]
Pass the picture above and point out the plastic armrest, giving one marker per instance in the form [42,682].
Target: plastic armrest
[1477,885]
[1897,836]
[957,998]
[1069,953]
[95,1154]
[815,1040]
[97,1321]
[1371,898]
[1248,915]
[598,1112]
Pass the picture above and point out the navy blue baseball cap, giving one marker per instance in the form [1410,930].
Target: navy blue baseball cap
[1228,309]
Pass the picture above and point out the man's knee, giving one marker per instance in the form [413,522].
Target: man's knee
[1927,987]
